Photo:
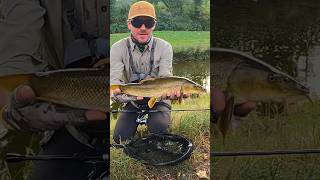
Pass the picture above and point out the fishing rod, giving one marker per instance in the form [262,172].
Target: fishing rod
[265,153]
[15,157]
[93,160]
[154,111]
[153,149]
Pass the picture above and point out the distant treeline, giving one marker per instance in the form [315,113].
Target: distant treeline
[177,15]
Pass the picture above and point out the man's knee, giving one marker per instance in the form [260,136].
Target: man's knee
[159,122]
[122,132]
[126,126]
[158,126]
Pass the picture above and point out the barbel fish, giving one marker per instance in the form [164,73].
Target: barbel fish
[240,75]
[154,88]
[77,88]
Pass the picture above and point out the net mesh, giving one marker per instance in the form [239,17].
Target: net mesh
[158,149]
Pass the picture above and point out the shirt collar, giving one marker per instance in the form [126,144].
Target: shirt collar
[133,45]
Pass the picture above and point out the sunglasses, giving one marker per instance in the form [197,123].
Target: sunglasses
[148,22]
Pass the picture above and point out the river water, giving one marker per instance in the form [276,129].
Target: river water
[196,70]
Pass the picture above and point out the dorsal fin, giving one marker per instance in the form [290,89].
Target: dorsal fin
[147,80]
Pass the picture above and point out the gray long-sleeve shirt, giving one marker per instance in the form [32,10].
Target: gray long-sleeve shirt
[120,70]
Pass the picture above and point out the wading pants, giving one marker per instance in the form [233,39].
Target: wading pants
[158,122]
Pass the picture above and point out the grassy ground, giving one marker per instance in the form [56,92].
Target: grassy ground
[180,40]
[300,130]
[193,125]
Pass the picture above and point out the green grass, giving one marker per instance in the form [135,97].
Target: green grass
[193,125]
[300,130]
[179,40]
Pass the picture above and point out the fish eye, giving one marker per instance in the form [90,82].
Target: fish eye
[272,77]
[286,79]
[277,77]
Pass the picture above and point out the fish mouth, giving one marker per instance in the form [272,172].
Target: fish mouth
[303,89]
[202,89]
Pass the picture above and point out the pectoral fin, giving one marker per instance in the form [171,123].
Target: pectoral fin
[181,94]
[152,101]
[225,120]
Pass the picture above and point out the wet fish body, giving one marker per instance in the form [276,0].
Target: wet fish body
[242,76]
[251,78]
[77,88]
[155,88]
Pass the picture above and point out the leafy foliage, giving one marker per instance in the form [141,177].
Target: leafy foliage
[178,15]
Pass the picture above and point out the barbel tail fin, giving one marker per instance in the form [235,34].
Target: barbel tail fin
[10,82]
[114,86]
[151,102]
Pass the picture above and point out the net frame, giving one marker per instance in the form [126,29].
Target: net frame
[187,144]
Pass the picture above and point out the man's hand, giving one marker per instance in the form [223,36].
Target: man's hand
[244,108]
[123,98]
[217,100]
[25,95]
[117,96]
[174,95]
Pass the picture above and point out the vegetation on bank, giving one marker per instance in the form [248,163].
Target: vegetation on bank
[183,15]
[192,125]
[299,130]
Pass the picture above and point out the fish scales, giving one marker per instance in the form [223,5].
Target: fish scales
[233,70]
[221,70]
[159,86]
[244,77]
[77,88]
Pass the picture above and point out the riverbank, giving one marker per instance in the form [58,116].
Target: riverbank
[187,45]
[299,130]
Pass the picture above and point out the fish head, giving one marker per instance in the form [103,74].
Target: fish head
[194,88]
[263,84]
[287,85]
[200,89]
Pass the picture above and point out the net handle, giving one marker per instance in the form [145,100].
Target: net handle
[118,145]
